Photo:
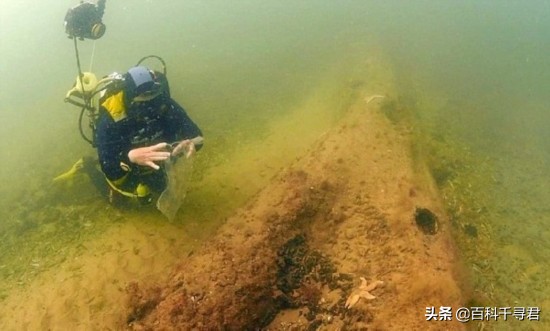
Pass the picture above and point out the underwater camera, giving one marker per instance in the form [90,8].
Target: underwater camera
[84,20]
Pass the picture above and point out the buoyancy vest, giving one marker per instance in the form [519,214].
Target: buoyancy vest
[116,100]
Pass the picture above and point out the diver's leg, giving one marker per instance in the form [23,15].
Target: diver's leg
[92,169]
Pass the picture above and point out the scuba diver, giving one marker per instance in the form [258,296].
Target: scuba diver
[140,126]
[137,128]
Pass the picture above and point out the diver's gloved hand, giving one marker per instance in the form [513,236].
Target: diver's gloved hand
[185,146]
[146,156]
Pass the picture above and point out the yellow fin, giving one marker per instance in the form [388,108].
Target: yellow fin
[71,172]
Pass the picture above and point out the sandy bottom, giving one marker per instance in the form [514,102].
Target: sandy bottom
[293,257]
[88,291]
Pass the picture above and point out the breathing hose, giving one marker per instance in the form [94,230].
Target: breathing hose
[87,99]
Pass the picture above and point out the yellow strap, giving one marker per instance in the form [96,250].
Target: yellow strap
[115,106]
[119,181]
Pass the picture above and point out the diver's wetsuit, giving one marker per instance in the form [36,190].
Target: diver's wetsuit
[147,123]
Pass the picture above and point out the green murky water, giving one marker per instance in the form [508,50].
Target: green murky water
[473,75]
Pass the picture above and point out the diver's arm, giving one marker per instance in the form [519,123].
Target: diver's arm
[181,127]
[111,150]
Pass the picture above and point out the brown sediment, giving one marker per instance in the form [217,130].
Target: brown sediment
[296,252]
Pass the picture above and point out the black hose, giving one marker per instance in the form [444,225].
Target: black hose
[87,99]
[90,141]
[155,57]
